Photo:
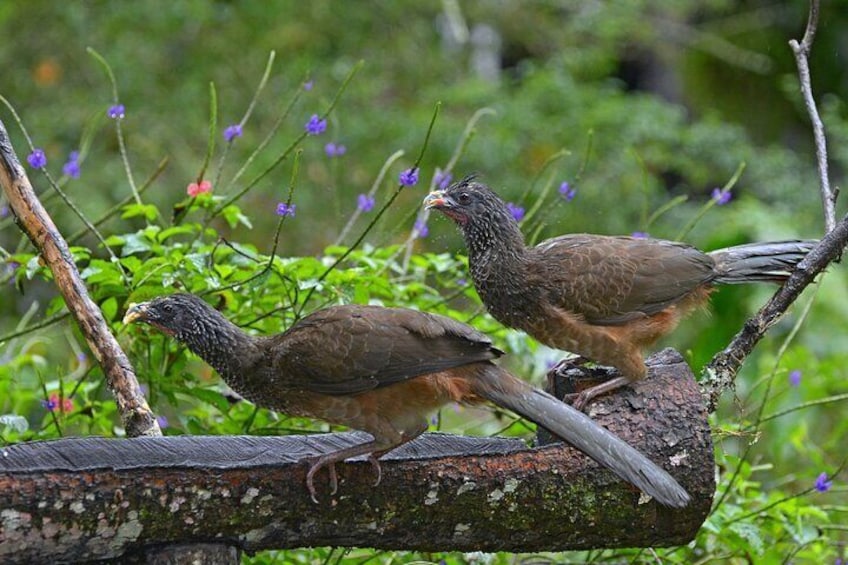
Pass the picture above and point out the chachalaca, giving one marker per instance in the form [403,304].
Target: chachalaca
[604,298]
[383,370]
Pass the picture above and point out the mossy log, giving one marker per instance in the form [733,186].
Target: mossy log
[98,498]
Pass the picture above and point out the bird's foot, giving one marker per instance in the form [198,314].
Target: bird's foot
[329,461]
[310,477]
[579,400]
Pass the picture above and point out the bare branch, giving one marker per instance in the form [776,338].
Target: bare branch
[721,371]
[34,220]
[802,53]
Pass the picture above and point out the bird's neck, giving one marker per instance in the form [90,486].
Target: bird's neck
[496,249]
[222,344]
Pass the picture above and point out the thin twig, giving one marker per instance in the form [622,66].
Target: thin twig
[119,132]
[802,52]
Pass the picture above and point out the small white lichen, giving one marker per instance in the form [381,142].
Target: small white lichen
[461,528]
[465,487]
[248,497]
[77,507]
[511,485]
[679,458]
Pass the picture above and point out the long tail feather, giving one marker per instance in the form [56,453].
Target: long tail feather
[757,262]
[500,387]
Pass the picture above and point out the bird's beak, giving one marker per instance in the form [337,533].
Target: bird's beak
[437,199]
[136,312]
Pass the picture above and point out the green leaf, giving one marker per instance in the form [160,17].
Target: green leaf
[233,215]
[114,240]
[135,243]
[134,210]
[109,307]
[212,397]
[181,229]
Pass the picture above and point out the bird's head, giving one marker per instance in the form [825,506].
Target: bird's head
[173,315]
[466,201]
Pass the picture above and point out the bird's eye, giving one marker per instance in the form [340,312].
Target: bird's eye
[464,198]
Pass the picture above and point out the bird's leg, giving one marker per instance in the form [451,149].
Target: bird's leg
[329,460]
[404,438]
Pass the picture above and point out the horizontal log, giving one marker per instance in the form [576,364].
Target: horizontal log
[95,498]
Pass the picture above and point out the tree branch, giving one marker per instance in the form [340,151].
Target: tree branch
[34,220]
[720,372]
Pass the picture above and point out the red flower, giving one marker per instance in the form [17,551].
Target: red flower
[199,188]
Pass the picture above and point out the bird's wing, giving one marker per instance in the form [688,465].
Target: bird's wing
[352,349]
[611,280]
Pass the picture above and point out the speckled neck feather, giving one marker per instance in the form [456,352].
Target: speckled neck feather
[219,342]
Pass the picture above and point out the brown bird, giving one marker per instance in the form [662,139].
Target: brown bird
[383,370]
[604,298]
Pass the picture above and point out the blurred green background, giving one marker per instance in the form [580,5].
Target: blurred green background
[652,100]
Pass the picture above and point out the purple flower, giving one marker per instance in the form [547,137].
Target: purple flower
[822,484]
[72,167]
[52,403]
[81,357]
[515,210]
[720,196]
[567,191]
[116,112]
[442,178]
[307,86]
[315,125]
[37,159]
[461,282]
[409,177]
[640,235]
[795,377]
[4,211]
[421,229]
[232,132]
[335,149]
[365,203]
[162,421]
[284,209]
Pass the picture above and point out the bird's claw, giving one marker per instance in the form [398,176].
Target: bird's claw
[310,479]
[334,479]
[379,470]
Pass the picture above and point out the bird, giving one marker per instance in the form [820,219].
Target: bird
[383,371]
[604,298]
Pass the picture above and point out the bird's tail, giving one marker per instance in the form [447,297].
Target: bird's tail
[499,386]
[756,262]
